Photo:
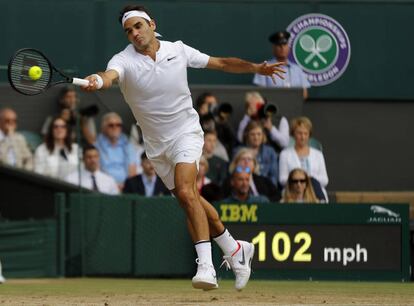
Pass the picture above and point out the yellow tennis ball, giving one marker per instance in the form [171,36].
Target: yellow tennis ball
[35,73]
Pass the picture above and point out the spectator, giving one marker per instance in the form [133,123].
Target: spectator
[137,141]
[57,156]
[14,149]
[68,101]
[202,179]
[206,103]
[259,185]
[118,157]
[302,155]
[224,129]
[208,123]
[299,188]
[240,188]
[255,106]
[217,167]
[294,76]
[255,139]
[148,183]
[91,176]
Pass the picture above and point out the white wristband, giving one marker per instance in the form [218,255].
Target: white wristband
[99,81]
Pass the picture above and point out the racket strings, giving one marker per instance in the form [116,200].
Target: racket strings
[19,72]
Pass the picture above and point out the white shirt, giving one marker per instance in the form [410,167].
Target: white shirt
[11,155]
[106,184]
[289,160]
[149,184]
[157,91]
[54,164]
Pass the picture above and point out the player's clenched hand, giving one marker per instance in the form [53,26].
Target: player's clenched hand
[93,83]
[272,70]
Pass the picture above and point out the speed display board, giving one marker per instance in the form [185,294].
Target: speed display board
[323,241]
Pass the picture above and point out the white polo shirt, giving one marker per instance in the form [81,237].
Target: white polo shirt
[157,91]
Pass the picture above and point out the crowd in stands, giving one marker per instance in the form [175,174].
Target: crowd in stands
[264,161]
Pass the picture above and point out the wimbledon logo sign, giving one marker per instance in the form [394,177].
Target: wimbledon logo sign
[320,46]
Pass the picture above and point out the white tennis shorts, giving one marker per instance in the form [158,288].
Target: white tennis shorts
[187,148]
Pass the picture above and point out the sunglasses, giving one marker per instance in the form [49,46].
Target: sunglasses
[113,125]
[240,169]
[302,181]
[10,120]
[56,126]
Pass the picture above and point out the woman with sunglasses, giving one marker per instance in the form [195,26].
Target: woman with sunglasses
[57,156]
[299,188]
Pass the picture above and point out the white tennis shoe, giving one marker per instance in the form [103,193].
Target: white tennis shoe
[205,277]
[240,262]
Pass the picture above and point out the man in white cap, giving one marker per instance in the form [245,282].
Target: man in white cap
[152,76]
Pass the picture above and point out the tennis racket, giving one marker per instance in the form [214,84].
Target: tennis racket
[18,73]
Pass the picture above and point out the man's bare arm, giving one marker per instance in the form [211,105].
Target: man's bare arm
[108,78]
[237,65]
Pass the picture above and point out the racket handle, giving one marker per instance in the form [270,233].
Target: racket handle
[80,82]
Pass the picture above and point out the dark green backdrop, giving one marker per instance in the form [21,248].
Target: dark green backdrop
[81,36]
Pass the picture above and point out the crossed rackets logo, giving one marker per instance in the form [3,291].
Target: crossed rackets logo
[320,46]
[316,49]
[323,44]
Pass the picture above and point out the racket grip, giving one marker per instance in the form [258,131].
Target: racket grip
[80,82]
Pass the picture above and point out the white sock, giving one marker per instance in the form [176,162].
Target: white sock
[227,243]
[203,249]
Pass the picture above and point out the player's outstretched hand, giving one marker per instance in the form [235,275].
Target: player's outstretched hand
[272,70]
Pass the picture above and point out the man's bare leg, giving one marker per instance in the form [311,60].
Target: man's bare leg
[215,225]
[187,195]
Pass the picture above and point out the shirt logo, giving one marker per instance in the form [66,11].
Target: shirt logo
[171,58]
[320,46]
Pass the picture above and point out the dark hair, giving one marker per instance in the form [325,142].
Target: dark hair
[212,192]
[63,92]
[201,99]
[144,156]
[88,147]
[133,8]
[49,140]
[207,131]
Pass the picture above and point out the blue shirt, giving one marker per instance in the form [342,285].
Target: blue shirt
[268,161]
[149,185]
[294,77]
[115,159]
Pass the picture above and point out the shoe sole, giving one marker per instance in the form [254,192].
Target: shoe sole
[204,285]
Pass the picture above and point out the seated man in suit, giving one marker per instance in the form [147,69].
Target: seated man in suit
[148,183]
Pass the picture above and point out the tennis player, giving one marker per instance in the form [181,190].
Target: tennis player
[152,75]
